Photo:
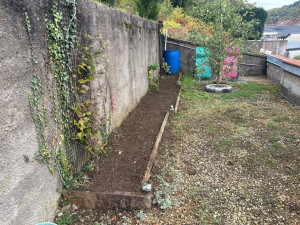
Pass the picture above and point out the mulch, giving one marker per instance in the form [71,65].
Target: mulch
[130,146]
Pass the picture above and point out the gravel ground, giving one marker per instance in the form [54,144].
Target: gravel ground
[234,161]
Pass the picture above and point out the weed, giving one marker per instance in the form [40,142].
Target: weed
[276,145]
[179,115]
[26,158]
[164,194]
[141,215]
[271,125]
[65,219]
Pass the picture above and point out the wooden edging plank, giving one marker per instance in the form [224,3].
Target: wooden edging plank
[155,149]
[177,101]
[179,78]
[110,200]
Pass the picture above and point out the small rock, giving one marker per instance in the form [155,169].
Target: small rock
[74,207]
[229,163]
[191,172]
[66,208]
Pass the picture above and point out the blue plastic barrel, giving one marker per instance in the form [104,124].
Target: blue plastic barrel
[172,59]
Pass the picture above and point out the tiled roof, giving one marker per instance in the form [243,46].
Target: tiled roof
[285,22]
[295,22]
[290,22]
[283,31]
[292,62]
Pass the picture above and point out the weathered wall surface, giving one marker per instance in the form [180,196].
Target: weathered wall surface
[274,73]
[133,45]
[290,87]
[277,47]
[187,54]
[27,189]
[253,65]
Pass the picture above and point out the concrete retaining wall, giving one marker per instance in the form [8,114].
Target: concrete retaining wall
[133,45]
[28,192]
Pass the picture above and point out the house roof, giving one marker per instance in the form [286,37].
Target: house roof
[283,31]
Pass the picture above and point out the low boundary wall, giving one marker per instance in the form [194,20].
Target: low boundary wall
[285,72]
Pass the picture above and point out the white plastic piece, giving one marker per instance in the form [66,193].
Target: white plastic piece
[147,187]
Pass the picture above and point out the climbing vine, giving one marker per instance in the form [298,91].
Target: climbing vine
[74,114]
[90,130]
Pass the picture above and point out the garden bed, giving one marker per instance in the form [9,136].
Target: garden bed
[119,174]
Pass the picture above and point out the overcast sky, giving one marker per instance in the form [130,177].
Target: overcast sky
[270,4]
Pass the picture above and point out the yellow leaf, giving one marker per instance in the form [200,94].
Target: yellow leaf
[85,87]
[82,81]
[78,135]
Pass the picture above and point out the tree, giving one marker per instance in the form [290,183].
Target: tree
[260,15]
[107,2]
[180,3]
[147,9]
[227,31]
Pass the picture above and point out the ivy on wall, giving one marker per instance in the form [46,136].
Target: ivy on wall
[64,113]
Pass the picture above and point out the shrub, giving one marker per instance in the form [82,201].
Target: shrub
[147,9]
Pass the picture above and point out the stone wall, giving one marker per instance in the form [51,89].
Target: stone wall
[28,191]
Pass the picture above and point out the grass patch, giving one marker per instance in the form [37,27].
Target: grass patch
[249,90]
[272,126]
[193,89]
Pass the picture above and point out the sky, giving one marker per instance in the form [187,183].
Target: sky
[270,4]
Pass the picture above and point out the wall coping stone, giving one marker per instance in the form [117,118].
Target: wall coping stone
[289,65]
